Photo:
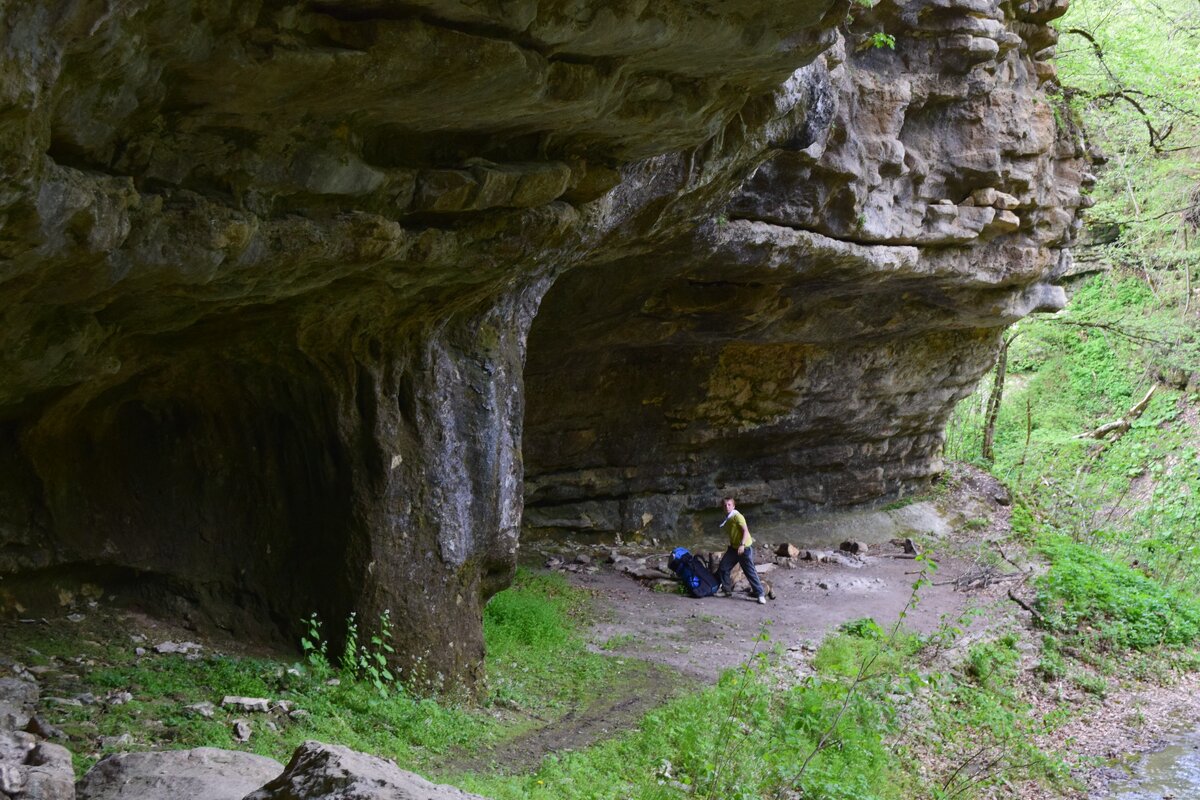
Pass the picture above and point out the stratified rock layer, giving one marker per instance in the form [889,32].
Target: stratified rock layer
[271,270]
[804,348]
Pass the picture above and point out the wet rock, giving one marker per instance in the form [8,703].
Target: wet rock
[787,551]
[204,773]
[330,772]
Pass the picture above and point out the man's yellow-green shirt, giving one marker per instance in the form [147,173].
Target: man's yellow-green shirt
[733,526]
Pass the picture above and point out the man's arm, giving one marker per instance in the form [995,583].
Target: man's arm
[745,539]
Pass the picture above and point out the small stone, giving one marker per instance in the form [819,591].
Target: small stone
[854,547]
[787,551]
[204,709]
[119,698]
[910,547]
[252,704]
[333,682]
[113,742]
[76,618]
[40,727]
[242,730]
[86,699]
[583,558]
[64,701]
[299,713]
[139,651]
[284,706]
[183,648]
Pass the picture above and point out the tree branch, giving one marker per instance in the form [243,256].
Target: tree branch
[1120,426]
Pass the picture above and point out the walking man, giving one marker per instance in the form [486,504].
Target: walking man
[740,551]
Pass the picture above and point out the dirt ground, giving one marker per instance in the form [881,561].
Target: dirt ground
[703,637]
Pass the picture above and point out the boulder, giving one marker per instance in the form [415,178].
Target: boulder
[34,770]
[18,698]
[205,773]
[330,772]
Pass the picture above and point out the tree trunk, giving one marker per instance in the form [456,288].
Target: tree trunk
[993,406]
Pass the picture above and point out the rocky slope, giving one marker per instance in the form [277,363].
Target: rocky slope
[271,271]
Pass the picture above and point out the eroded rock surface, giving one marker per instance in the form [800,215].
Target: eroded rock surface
[271,270]
[203,773]
[331,772]
[803,349]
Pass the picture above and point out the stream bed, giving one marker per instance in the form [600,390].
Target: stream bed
[1172,772]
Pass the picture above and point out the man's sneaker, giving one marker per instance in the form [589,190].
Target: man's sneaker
[762,600]
[726,593]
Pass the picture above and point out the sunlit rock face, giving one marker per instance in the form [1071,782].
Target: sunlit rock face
[803,348]
[272,274]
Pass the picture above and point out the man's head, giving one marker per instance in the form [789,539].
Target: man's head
[728,503]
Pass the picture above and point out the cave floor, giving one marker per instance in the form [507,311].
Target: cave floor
[703,637]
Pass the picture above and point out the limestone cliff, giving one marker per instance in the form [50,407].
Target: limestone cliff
[270,271]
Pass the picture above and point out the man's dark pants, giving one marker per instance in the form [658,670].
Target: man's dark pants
[746,559]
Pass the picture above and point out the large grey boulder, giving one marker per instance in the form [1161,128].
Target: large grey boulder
[205,773]
[33,770]
[18,697]
[329,772]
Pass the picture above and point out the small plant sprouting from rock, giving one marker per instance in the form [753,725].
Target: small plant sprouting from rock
[362,661]
[879,39]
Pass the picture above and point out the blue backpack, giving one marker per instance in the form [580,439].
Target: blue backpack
[696,577]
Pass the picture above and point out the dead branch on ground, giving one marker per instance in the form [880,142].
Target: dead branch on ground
[1118,428]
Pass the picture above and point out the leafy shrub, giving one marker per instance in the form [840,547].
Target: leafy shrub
[863,628]
[1051,666]
[1085,591]
[992,664]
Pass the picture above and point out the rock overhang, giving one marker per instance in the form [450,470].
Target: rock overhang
[271,270]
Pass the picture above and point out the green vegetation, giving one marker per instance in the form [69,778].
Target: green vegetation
[538,666]
[1088,595]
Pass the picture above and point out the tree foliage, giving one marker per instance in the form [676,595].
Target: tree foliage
[1131,70]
